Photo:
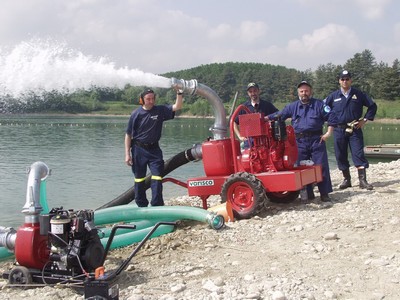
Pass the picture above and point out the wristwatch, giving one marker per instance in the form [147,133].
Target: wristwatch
[365,119]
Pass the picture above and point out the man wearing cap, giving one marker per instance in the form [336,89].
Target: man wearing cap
[141,144]
[308,116]
[254,104]
[348,103]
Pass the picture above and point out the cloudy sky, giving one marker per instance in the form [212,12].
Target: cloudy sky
[158,36]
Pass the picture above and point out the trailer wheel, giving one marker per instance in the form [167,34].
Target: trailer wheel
[245,193]
[20,275]
[283,197]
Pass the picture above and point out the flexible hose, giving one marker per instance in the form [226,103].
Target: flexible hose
[171,164]
[160,213]
[5,253]
[105,232]
[136,236]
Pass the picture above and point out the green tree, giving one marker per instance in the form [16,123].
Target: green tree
[386,83]
[362,67]
[326,80]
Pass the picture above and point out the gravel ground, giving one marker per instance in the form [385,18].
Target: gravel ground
[347,249]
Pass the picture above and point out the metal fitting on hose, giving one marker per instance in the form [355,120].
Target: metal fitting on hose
[215,221]
[186,86]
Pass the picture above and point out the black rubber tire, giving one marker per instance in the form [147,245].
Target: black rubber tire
[20,275]
[245,193]
[283,197]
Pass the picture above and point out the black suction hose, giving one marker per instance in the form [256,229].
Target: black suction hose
[171,164]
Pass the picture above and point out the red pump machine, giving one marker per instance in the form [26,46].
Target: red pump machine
[248,179]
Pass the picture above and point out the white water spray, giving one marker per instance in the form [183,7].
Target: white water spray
[41,66]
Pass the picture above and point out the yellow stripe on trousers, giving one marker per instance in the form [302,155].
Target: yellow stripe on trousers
[144,178]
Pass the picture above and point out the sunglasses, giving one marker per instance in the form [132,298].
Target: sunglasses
[344,79]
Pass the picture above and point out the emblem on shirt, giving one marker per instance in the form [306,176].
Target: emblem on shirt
[154,117]
[354,97]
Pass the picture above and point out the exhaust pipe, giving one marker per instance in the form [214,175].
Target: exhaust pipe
[192,87]
[38,171]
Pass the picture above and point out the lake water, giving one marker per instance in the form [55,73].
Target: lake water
[86,158]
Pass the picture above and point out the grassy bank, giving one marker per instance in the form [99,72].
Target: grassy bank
[386,109]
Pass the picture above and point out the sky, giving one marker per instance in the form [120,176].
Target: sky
[159,36]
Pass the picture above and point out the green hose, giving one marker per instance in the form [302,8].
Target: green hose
[5,254]
[129,212]
[43,198]
[104,232]
[136,236]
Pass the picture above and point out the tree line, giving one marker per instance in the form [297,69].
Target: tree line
[278,84]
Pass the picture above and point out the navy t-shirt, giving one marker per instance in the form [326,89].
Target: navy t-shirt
[145,126]
[263,107]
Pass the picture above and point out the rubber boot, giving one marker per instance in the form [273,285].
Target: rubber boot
[347,180]
[362,176]
[303,194]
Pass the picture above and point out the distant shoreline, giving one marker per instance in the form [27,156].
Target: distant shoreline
[383,120]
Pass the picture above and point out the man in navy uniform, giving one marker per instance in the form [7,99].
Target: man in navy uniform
[141,144]
[254,104]
[308,116]
[347,103]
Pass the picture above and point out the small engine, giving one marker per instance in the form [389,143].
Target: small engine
[73,241]
[273,144]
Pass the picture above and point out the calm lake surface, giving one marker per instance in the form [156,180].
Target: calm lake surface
[86,158]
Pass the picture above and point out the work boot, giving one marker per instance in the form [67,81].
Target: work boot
[306,194]
[362,176]
[325,198]
[347,180]
[303,194]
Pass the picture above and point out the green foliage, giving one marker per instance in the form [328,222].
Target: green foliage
[388,109]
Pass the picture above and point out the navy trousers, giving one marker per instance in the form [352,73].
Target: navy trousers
[311,148]
[342,143]
[152,158]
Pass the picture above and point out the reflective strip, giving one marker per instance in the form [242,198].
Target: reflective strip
[156,177]
[140,179]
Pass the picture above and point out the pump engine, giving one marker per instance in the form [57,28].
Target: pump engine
[62,246]
[248,178]
[73,241]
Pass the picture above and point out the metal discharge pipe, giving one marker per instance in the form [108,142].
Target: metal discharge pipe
[192,87]
[38,171]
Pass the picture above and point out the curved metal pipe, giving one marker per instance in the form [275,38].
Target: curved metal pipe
[38,171]
[192,87]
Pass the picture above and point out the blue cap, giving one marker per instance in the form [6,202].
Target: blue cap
[252,84]
[345,73]
[304,82]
